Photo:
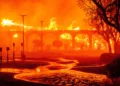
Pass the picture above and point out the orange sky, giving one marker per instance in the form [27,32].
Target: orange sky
[65,11]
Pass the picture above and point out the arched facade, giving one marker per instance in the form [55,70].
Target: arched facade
[56,33]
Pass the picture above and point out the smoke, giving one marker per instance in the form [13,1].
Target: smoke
[65,11]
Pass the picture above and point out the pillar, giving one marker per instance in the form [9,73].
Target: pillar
[26,43]
[90,41]
[73,42]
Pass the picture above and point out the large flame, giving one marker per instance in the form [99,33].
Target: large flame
[53,24]
[97,44]
[8,22]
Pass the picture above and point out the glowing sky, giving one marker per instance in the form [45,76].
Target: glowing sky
[65,12]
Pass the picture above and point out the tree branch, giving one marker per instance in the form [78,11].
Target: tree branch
[104,15]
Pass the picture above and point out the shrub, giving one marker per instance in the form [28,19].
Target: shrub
[113,71]
[108,57]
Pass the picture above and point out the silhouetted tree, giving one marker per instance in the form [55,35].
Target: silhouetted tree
[108,10]
[104,15]
[107,32]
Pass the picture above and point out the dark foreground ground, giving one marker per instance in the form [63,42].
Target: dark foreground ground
[6,79]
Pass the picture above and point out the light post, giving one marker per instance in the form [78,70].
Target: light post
[22,54]
[13,52]
[7,49]
[0,56]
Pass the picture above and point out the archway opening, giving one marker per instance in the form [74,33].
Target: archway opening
[82,42]
[99,43]
[66,38]
[34,43]
[48,41]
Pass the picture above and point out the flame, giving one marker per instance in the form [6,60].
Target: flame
[77,28]
[71,25]
[111,43]
[38,70]
[15,35]
[66,36]
[8,22]
[54,26]
[99,43]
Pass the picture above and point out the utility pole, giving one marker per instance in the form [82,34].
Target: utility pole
[13,52]
[23,55]
[7,49]
[0,57]
[41,23]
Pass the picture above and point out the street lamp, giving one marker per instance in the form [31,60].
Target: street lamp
[13,52]
[23,55]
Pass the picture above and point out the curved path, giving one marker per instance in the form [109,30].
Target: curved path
[61,73]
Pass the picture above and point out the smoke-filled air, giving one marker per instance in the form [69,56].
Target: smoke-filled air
[65,12]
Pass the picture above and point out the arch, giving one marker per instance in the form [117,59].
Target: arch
[48,40]
[82,41]
[30,44]
[56,33]
[98,42]
[66,38]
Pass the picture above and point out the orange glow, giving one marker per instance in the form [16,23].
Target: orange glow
[99,42]
[7,22]
[38,70]
[83,39]
[77,28]
[36,43]
[66,36]
[111,42]
[53,24]
[58,71]
[15,35]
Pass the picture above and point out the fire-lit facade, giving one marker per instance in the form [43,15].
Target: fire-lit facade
[71,38]
[57,42]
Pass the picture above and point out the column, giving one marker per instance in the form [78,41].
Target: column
[73,42]
[90,41]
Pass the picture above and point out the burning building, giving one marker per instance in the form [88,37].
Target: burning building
[63,17]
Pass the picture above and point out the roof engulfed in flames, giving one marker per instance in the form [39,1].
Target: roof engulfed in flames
[7,22]
[52,25]
[43,10]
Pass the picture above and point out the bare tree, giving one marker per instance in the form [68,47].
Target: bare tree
[108,10]
[105,16]
[108,33]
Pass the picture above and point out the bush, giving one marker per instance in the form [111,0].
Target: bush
[108,57]
[113,68]
[113,71]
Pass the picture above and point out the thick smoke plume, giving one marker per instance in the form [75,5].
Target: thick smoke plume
[65,12]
